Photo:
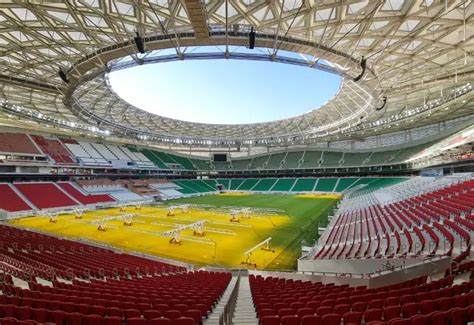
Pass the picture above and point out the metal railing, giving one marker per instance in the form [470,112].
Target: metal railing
[229,308]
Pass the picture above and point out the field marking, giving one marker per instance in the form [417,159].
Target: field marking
[208,221]
[201,241]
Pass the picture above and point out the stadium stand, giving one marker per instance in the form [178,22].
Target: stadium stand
[285,185]
[55,149]
[83,198]
[55,198]
[329,158]
[17,143]
[116,190]
[135,290]
[304,185]
[10,200]
[293,160]
[408,220]
[286,301]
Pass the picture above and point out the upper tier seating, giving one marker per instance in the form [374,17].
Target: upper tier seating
[17,143]
[116,190]
[285,301]
[84,156]
[45,195]
[195,186]
[55,149]
[10,201]
[292,160]
[363,227]
[84,198]
[188,186]
[134,287]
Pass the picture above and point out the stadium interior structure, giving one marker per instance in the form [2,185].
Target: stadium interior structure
[357,212]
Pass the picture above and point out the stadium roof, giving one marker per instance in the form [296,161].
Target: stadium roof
[419,55]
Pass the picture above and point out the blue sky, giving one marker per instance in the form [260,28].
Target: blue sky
[224,91]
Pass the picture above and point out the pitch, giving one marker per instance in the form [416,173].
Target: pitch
[218,229]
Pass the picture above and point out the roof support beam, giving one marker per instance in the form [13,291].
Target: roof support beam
[197,16]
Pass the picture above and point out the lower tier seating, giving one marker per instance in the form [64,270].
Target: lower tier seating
[10,201]
[83,198]
[93,285]
[45,195]
[427,224]
[288,302]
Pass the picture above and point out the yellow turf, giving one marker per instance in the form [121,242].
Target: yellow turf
[319,196]
[224,249]
[234,194]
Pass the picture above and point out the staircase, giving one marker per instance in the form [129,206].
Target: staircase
[244,308]
[217,312]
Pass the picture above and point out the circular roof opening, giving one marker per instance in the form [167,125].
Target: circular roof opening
[224,91]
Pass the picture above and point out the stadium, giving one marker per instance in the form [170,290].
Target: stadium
[359,210]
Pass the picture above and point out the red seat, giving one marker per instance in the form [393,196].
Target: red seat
[40,315]
[180,307]
[113,320]
[331,319]
[305,311]
[427,307]
[458,316]
[439,318]
[375,303]
[270,320]
[410,309]
[359,306]
[184,321]
[286,312]
[201,307]
[172,314]
[391,312]
[461,301]
[7,311]
[151,314]
[114,312]
[98,310]
[371,315]
[406,299]
[399,321]
[131,313]
[297,305]
[161,321]
[445,303]
[353,317]
[8,321]
[58,316]
[291,320]
[391,301]
[321,311]
[267,312]
[137,321]
[74,318]
[92,320]
[420,320]
[470,310]
[23,312]
[194,314]
[313,304]
[83,309]
[311,320]
[161,307]
[342,309]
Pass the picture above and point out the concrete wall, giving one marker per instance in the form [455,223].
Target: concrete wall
[414,270]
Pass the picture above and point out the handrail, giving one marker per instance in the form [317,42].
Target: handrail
[229,308]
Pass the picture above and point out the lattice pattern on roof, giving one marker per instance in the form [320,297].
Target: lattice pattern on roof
[414,49]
